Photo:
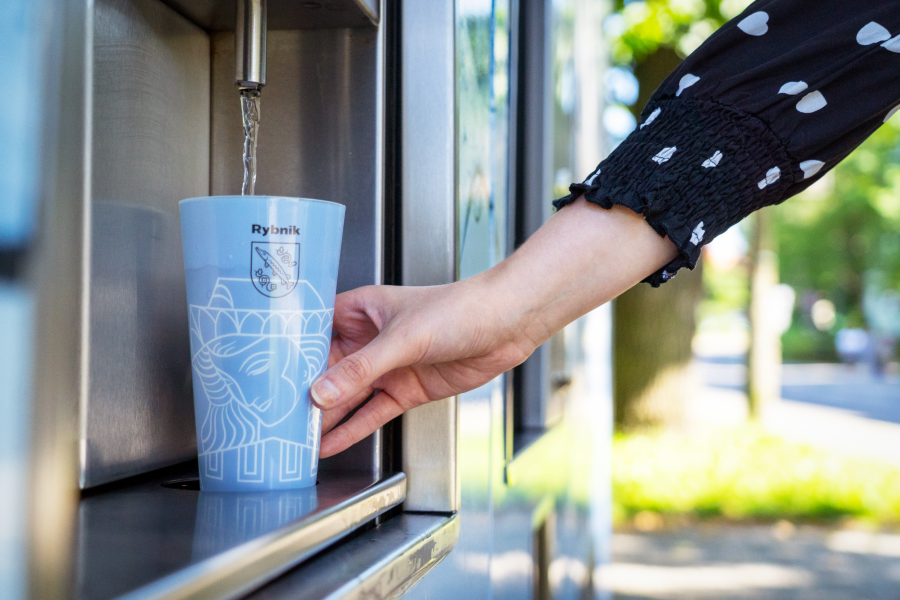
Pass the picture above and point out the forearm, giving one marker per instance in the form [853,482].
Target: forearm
[410,346]
[581,258]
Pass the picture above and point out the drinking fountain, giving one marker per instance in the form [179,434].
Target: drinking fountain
[115,440]
[377,105]
[149,146]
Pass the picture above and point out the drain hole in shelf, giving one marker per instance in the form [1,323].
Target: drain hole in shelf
[190,483]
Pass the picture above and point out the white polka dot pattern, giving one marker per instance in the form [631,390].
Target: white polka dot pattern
[812,102]
[756,24]
[592,177]
[664,155]
[686,82]
[712,161]
[792,88]
[651,118]
[872,34]
[697,234]
[811,167]
[892,44]
[772,175]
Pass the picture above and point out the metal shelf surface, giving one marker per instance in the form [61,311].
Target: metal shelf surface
[147,541]
[384,562]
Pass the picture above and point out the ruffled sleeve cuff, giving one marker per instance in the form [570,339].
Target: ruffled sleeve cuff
[692,169]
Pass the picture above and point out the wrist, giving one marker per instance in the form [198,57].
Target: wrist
[519,301]
[581,258]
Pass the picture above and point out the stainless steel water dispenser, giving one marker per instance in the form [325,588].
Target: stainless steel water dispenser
[161,122]
[373,104]
[165,120]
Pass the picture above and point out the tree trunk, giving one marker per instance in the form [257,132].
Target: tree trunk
[764,357]
[653,328]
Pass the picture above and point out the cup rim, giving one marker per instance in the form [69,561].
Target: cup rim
[259,197]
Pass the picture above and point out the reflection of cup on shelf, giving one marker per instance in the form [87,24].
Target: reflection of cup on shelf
[226,520]
[261,274]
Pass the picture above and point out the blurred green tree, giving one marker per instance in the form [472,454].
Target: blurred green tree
[829,238]
[834,234]
[654,328]
[640,29]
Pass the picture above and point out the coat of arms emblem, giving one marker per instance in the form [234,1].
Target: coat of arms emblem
[273,268]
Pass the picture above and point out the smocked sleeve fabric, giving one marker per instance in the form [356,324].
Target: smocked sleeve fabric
[765,107]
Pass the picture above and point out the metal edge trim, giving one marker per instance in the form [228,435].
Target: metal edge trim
[379,152]
[238,571]
[399,571]
[428,138]
[86,202]
[520,462]
[371,14]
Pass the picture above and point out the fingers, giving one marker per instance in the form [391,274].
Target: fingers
[337,352]
[378,411]
[351,376]
[332,417]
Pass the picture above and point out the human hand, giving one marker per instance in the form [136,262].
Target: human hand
[413,345]
[417,344]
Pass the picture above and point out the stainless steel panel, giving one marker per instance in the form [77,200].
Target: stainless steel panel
[372,8]
[318,138]
[428,147]
[428,142]
[466,573]
[54,270]
[430,436]
[385,562]
[150,149]
[219,15]
[534,529]
[148,541]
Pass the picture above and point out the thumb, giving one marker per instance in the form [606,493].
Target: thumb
[353,375]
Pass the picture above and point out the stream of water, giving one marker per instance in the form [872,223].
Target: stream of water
[250,117]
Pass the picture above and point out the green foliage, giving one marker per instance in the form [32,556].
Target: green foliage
[803,343]
[642,27]
[747,474]
[727,289]
[846,225]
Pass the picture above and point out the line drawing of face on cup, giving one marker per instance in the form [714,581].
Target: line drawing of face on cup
[253,366]
[266,368]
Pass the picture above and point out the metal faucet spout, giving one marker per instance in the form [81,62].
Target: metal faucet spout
[250,45]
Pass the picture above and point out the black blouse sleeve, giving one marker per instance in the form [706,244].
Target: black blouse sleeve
[766,106]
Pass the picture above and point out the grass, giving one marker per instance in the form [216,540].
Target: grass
[746,474]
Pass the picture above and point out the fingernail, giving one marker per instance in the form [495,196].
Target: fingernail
[324,393]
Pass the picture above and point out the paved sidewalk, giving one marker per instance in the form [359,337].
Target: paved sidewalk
[831,406]
[775,562]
